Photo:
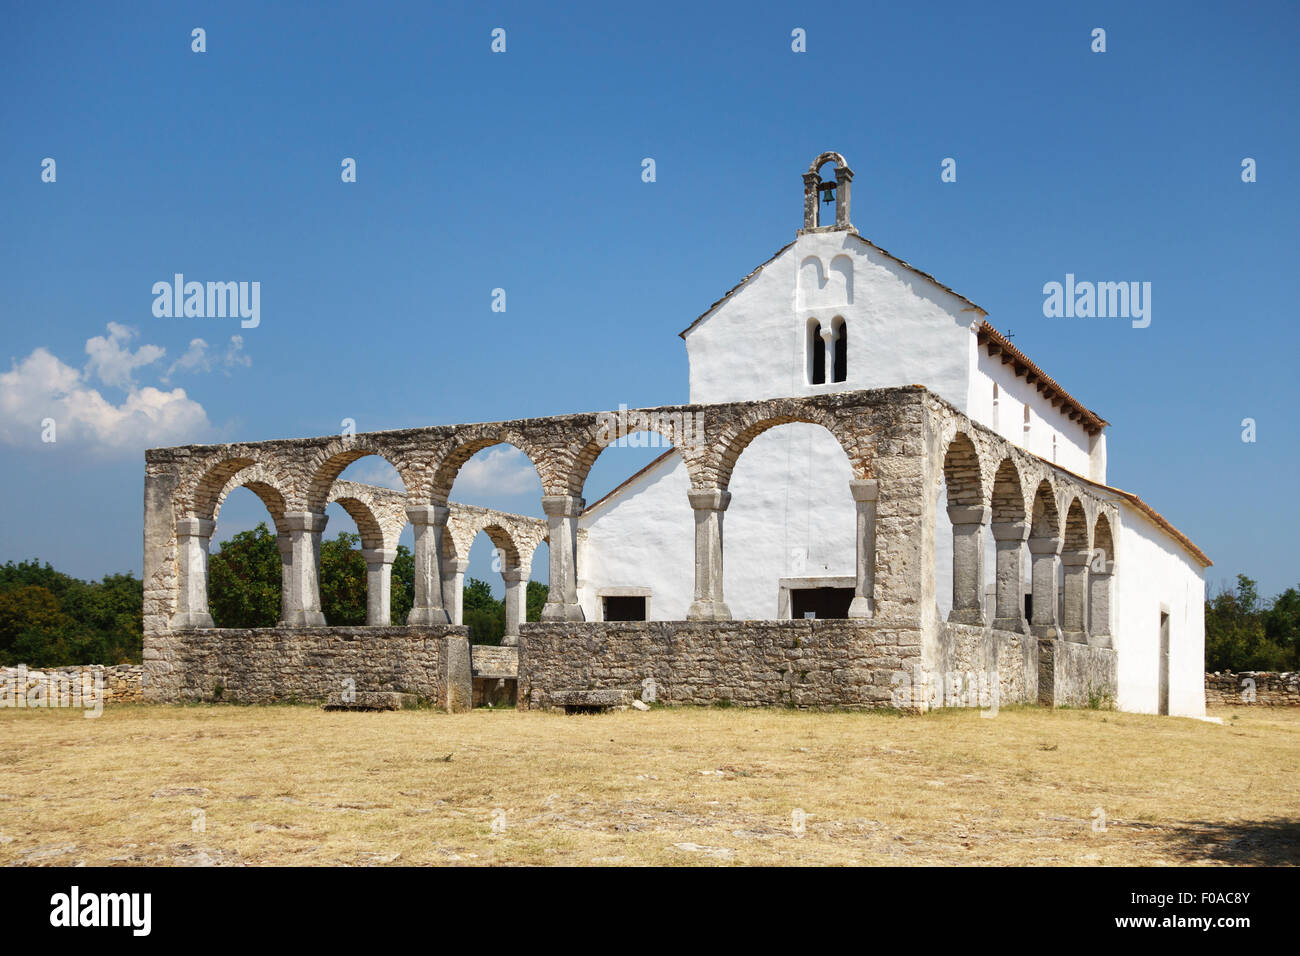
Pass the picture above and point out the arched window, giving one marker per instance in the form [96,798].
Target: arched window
[1026,441]
[816,354]
[840,371]
[995,406]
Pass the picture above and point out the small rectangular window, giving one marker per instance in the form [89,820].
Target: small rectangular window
[624,608]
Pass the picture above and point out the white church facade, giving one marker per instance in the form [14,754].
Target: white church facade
[831,312]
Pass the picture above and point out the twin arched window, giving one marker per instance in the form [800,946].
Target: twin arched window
[831,343]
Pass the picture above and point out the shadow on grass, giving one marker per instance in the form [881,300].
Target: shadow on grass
[1244,843]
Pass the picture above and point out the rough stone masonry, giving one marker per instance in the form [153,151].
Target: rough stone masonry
[902,445]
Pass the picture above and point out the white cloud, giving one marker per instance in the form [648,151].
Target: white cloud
[499,470]
[112,362]
[199,357]
[41,387]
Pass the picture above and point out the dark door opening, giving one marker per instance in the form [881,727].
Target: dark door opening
[820,602]
[624,608]
[1164,663]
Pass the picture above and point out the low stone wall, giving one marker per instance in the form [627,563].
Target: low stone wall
[119,684]
[277,664]
[1264,688]
[799,663]
[968,658]
[1071,674]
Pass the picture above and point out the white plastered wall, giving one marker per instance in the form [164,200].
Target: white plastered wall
[1154,573]
[791,515]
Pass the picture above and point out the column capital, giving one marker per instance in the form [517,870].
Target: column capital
[709,499]
[427,514]
[1045,545]
[189,527]
[1107,568]
[969,514]
[512,575]
[379,555]
[563,506]
[305,521]
[459,566]
[1010,530]
[865,489]
[1075,559]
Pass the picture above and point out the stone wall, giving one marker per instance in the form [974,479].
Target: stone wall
[1071,674]
[966,653]
[799,663]
[1268,689]
[309,664]
[119,683]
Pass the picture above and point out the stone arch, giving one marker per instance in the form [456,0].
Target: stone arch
[678,435]
[328,463]
[1045,519]
[1102,539]
[735,438]
[464,445]
[961,473]
[1076,527]
[367,522]
[1008,495]
[260,480]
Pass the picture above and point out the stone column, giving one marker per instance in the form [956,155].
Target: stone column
[305,529]
[1044,555]
[709,506]
[453,589]
[810,183]
[562,513]
[843,193]
[866,492]
[1074,622]
[1009,607]
[516,604]
[430,523]
[284,541]
[967,563]
[193,536]
[1101,576]
[379,585]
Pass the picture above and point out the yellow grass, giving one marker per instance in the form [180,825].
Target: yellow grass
[295,785]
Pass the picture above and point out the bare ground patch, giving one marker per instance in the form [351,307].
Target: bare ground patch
[223,785]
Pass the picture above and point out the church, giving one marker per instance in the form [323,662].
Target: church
[833,312]
[872,499]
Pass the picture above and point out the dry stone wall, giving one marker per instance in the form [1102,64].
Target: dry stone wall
[265,665]
[119,683]
[1263,688]
[799,663]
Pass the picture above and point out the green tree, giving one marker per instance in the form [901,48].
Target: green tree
[244,580]
[343,580]
[485,615]
[1236,638]
[402,592]
[535,598]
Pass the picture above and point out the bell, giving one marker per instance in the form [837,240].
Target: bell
[828,192]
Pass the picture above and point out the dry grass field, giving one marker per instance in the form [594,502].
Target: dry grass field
[295,785]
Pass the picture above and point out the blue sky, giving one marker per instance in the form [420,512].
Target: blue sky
[522,171]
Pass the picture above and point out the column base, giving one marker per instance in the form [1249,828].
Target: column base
[1101,640]
[966,615]
[304,619]
[862,607]
[428,615]
[708,611]
[1017,624]
[510,640]
[192,619]
[562,612]
[1045,630]
[1075,637]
